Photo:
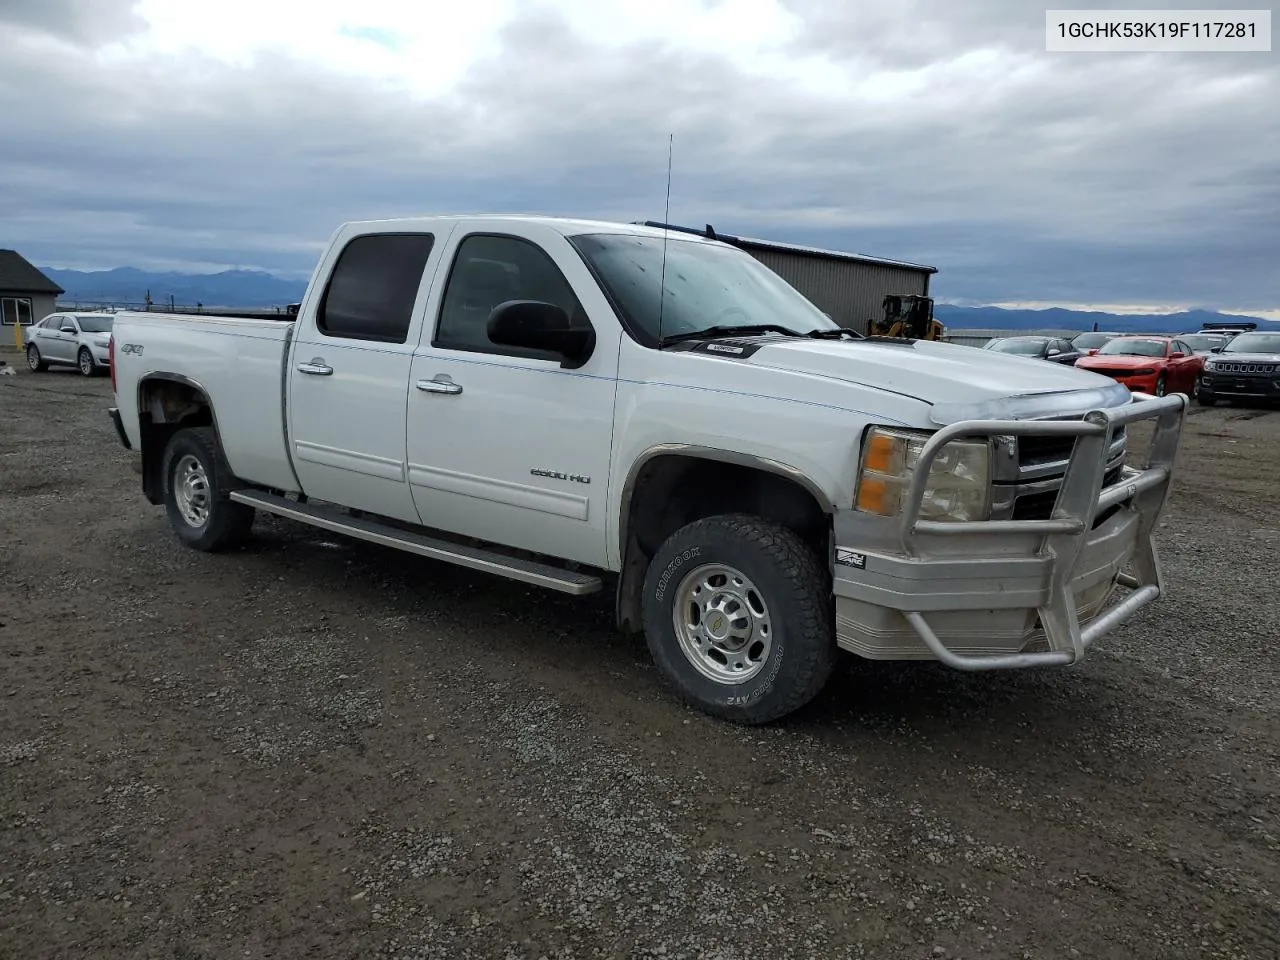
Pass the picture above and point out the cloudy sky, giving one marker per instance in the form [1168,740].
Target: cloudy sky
[198,135]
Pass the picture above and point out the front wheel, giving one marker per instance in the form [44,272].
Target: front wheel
[84,360]
[738,617]
[1160,385]
[34,361]
[196,483]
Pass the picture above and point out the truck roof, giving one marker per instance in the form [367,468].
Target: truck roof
[568,226]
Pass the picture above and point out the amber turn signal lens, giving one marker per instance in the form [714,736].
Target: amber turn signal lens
[880,450]
[873,496]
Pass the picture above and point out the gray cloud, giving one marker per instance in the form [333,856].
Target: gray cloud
[87,21]
[1078,178]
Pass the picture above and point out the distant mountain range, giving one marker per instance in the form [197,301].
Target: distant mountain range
[128,285]
[256,288]
[1057,318]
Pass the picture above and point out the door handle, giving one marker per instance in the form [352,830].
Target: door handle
[316,367]
[440,383]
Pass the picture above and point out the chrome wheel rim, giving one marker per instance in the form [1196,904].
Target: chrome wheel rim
[33,358]
[86,363]
[191,491]
[1159,388]
[722,623]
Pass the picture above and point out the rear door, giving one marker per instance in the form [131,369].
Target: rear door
[505,444]
[349,369]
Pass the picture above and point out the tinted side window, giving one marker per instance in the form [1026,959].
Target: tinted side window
[374,283]
[488,270]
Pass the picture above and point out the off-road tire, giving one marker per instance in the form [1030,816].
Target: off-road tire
[228,523]
[35,363]
[89,368]
[794,586]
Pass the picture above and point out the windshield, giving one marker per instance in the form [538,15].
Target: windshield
[1201,341]
[1090,341]
[1254,343]
[95,324]
[706,285]
[1024,348]
[1133,348]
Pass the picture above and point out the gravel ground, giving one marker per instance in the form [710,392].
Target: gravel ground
[327,749]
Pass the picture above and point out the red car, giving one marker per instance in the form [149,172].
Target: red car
[1154,365]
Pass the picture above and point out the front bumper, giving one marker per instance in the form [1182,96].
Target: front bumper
[1213,384]
[1017,593]
[1143,383]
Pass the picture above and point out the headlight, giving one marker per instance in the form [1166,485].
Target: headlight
[959,484]
[1210,365]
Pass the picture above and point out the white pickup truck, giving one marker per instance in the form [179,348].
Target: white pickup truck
[567,402]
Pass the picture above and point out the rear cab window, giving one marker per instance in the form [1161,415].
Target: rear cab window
[374,284]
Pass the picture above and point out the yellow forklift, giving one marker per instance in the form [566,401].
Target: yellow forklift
[908,316]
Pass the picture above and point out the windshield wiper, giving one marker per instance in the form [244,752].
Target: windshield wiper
[711,333]
[835,334]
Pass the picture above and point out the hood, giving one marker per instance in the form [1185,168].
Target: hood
[1244,358]
[1119,362]
[957,381]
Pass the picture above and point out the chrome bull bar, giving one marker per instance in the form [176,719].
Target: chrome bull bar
[1081,498]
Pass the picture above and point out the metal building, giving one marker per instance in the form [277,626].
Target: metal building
[848,287]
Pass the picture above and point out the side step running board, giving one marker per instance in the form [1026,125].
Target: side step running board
[490,561]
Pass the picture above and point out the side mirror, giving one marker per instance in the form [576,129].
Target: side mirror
[1055,352]
[535,325]
[1215,350]
[1177,355]
[67,328]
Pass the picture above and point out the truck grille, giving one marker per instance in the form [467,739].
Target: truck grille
[1262,368]
[1036,451]
[1039,506]
[1042,465]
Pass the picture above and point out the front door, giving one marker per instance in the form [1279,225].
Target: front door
[349,372]
[62,345]
[506,444]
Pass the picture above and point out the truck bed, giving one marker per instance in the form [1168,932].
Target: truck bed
[241,364]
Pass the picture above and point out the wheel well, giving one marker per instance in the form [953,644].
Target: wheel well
[166,406]
[673,490]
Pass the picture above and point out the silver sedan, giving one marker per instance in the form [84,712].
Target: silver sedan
[79,340]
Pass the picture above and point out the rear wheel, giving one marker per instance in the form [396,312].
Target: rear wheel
[84,360]
[196,484]
[738,617]
[34,361]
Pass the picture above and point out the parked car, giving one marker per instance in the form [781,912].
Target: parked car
[1043,348]
[77,340]
[1206,344]
[1088,343]
[1153,365]
[1248,368]
[533,398]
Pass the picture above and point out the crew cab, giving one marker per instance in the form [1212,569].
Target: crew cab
[572,403]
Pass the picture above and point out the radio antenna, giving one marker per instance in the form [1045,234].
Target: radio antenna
[666,231]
